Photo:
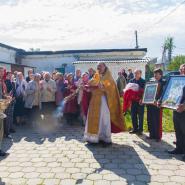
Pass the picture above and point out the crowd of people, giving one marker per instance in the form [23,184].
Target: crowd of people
[154,111]
[39,94]
[91,98]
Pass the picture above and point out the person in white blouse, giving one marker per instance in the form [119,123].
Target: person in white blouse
[48,90]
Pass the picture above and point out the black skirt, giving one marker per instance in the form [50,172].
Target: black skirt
[19,109]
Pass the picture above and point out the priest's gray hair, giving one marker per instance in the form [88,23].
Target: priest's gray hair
[102,63]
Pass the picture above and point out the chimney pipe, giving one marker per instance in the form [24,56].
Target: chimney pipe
[137,46]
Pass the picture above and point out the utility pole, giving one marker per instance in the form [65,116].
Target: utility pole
[137,46]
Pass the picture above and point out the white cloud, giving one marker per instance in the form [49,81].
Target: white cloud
[76,24]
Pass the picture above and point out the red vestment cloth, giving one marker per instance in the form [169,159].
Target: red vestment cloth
[129,96]
[85,102]
[160,123]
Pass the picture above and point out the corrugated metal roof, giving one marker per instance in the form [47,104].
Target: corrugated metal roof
[108,58]
[82,51]
[113,61]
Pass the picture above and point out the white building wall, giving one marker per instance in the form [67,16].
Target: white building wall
[112,55]
[46,62]
[114,67]
[7,55]
[53,61]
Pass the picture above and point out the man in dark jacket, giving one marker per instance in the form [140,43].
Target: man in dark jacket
[179,122]
[130,75]
[137,109]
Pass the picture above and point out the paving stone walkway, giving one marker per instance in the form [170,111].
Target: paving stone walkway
[61,157]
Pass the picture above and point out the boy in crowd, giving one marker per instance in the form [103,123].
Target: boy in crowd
[154,113]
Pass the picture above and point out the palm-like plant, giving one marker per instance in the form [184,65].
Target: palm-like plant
[164,56]
[169,46]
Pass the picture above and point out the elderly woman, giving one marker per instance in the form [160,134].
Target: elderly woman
[48,90]
[33,98]
[30,75]
[54,75]
[78,74]
[20,98]
[85,98]
[60,88]
[91,72]
[71,106]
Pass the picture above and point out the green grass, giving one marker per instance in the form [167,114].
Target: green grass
[168,125]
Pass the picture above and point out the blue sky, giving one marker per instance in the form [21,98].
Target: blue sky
[89,24]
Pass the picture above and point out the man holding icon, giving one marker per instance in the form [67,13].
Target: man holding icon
[179,122]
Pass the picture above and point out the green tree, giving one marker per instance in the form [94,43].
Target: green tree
[149,71]
[176,62]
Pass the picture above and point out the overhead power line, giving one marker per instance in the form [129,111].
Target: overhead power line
[171,12]
[164,17]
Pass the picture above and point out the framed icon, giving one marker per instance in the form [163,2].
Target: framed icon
[150,93]
[173,92]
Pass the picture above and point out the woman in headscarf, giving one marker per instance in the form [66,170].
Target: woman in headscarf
[20,98]
[71,106]
[85,97]
[60,88]
[33,99]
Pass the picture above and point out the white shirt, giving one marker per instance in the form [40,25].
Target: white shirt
[46,95]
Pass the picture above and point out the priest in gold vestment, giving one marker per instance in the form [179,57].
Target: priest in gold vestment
[105,113]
